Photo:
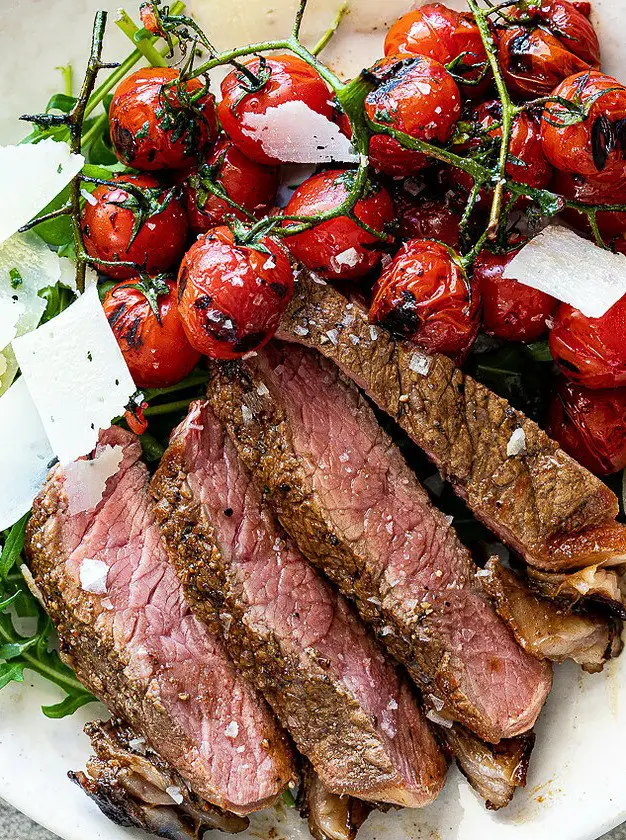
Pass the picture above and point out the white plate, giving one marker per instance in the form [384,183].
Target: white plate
[577,782]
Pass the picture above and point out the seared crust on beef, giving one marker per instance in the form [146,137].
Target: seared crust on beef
[247,589]
[543,504]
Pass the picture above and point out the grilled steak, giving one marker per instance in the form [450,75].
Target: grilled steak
[549,629]
[343,491]
[138,647]
[133,786]
[592,586]
[548,508]
[330,817]
[299,641]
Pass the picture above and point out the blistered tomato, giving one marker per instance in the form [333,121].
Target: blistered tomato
[137,220]
[591,191]
[231,296]
[158,121]
[338,248]
[424,295]
[426,219]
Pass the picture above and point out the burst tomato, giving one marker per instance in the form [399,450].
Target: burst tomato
[435,31]
[590,191]
[511,311]
[338,248]
[138,221]
[158,121]
[250,185]
[231,296]
[590,139]
[156,350]
[272,82]
[426,218]
[590,426]
[388,156]
[424,295]
[591,351]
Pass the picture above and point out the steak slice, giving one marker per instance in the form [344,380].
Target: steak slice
[140,650]
[548,508]
[298,640]
[343,491]
[549,629]
[135,787]
[592,586]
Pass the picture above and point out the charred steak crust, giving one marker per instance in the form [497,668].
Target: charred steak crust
[249,402]
[538,502]
[346,746]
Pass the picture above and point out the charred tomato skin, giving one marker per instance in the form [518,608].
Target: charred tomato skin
[426,218]
[591,351]
[251,185]
[594,146]
[290,80]
[338,248]
[231,297]
[443,34]
[424,296]
[590,426]
[157,354]
[511,311]
[153,127]
[107,228]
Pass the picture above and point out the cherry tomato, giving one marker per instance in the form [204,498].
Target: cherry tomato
[156,350]
[338,248]
[157,122]
[591,191]
[511,310]
[590,426]
[273,81]
[147,226]
[435,31]
[388,156]
[231,297]
[249,184]
[589,140]
[426,218]
[424,295]
[591,351]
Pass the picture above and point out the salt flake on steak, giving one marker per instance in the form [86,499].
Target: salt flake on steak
[85,480]
[93,576]
[25,454]
[77,376]
[294,133]
[571,269]
[516,444]
[31,175]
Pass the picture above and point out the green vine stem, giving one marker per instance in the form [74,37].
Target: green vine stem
[326,37]
[144,45]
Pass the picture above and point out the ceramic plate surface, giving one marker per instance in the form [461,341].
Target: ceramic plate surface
[577,783]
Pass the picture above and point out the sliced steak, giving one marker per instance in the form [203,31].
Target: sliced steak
[330,817]
[135,787]
[138,647]
[592,586]
[343,491]
[297,639]
[548,629]
[548,508]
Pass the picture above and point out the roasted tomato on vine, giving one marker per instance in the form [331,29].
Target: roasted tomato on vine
[426,218]
[338,248]
[424,295]
[264,83]
[145,321]
[447,36]
[584,131]
[160,122]
[416,96]
[250,185]
[231,296]
[135,220]
[590,426]
[591,191]
[591,351]
[552,41]
[511,310]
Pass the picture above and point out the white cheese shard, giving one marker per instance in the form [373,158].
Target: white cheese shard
[77,376]
[294,133]
[571,269]
[93,576]
[516,444]
[25,453]
[31,175]
[85,480]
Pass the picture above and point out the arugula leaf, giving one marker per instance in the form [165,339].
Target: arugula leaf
[11,672]
[13,546]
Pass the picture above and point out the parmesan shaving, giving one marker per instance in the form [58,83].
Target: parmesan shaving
[77,376]
[31,175]
[294,133]
[571,269]
[85,480]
